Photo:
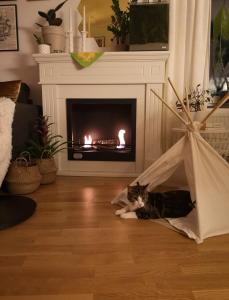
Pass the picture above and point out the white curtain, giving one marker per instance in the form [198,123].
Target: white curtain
[189,51]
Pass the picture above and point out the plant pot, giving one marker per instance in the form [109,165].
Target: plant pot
[119,47]
[55,37]
[44,49]
[22,179]
[48,170]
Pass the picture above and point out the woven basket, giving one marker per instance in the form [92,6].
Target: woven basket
[23,177]
[48,169]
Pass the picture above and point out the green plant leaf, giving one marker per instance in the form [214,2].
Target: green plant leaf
[60,5]
[39,25]
[58,22]
[43,15]
[221,24]
[54,153]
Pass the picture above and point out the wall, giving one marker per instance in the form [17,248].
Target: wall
[20,64]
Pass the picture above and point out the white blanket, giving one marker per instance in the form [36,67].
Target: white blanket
[7,107]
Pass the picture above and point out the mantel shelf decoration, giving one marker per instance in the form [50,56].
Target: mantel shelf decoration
[85,59]
[88,50]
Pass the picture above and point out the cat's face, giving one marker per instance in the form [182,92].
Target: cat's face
[137,193]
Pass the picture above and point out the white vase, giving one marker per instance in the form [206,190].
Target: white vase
[44,49]
[55,37]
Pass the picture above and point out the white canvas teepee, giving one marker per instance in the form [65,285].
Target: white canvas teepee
[207,178]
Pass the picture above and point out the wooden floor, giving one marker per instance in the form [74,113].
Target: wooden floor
[75,248]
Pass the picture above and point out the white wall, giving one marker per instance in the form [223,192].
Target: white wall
[20,64]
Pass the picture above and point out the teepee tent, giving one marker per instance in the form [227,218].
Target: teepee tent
[207,178]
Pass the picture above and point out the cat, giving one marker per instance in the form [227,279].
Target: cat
[135,195]
[151,205]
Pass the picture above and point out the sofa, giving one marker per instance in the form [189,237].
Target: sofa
[25,116]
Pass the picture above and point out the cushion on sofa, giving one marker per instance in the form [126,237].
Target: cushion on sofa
[10,89]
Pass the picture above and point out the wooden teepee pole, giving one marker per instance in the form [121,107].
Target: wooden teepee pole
[181,102]
[187,101]
[170,108]
[221,102]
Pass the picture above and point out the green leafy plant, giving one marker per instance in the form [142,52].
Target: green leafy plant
[196,98]
[38,39]
[50,16]
[220,44]
[119,23]
[46,145]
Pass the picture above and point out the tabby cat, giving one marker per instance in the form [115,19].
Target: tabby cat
[151,205]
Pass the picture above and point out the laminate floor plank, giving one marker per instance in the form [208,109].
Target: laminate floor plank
[74,247]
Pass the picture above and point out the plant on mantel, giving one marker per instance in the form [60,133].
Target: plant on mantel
[119,24]
[43,48]
[51,17]
[53,34]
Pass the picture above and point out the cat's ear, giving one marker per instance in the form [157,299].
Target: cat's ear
[145,186]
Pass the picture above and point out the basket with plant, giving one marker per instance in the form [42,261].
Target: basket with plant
[44,148]
[23,175]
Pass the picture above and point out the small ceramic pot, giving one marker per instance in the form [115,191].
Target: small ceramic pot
[44,49]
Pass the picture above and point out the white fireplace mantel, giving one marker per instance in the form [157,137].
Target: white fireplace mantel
[114,75]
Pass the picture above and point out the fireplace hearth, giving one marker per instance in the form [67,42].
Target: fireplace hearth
[101,129]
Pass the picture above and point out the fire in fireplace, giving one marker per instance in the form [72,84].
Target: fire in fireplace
[101,129]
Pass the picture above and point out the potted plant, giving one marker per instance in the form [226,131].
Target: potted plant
[119,25]
[42,47]
[197,100]
[23,176]
[53,34]
[44,148]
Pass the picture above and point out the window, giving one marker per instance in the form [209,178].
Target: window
[219,63]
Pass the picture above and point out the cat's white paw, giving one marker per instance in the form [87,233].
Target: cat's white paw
[120,211]
[129,215]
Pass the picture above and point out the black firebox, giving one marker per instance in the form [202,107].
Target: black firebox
[101,129]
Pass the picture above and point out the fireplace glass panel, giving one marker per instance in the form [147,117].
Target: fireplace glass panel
[101,129]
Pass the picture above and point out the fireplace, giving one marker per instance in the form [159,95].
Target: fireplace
[101,129]
[111,97]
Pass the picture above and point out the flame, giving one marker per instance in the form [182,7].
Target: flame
[87,141]
[121,139]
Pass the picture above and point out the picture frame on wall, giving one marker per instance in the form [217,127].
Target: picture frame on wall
[8,28]
[100,40]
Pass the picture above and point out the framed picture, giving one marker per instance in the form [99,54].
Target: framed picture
[100,40]
[8,28]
